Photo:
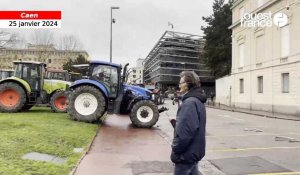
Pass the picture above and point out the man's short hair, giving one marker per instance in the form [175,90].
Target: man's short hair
[191,78]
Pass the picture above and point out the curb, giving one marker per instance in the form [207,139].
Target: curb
[262,115]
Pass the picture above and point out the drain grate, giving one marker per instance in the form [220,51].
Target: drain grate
[247,165]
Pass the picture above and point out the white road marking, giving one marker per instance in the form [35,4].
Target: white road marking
[228,116]
[282,173]
[249,149]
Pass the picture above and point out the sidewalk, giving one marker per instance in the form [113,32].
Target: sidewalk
[119,149]
[260,113]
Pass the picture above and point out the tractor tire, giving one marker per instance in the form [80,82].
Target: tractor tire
[144,114]
[58,101]
[86,104]
[12,97]
[26,107]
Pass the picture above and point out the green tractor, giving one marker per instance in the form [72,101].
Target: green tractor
[57,74]
[28,87]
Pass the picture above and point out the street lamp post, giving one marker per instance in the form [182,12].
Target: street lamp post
[111,22]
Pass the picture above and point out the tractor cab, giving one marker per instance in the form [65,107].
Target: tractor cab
[31,72]
[57,74]
[109,75]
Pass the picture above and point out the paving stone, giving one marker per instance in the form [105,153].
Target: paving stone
[151,167]
[78,150]
[44,157]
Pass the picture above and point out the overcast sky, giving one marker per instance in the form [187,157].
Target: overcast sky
[139,23]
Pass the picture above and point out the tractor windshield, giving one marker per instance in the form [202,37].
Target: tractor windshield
[31,73]
[108,75]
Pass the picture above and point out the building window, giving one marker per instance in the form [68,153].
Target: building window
[285,41]
[260,83]
[260,49]
[49,60]
[285,82]
[242,54]
[134,76]
[241,86]
[134,71]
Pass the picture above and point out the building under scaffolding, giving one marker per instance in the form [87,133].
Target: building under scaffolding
[173,53]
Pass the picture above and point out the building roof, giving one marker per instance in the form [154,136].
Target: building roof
[27,62]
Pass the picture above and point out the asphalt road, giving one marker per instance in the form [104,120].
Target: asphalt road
[239,143]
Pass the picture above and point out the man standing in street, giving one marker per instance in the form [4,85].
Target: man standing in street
[188,146]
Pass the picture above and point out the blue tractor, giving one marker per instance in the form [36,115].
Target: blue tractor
[104,90]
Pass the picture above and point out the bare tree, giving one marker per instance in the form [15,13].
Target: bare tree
[7,40]
[43,37]
[44,41]
[70,42]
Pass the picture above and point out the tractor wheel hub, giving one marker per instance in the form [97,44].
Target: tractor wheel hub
[144,113]
[86,104]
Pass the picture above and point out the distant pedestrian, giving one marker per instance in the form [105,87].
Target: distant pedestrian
[212,95]
[188,146]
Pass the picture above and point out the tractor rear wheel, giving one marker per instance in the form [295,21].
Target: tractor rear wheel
[58,101]
[144,114]
[12,97]
[86,104]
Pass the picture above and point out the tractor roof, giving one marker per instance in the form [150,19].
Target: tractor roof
[28,62]
[105,63]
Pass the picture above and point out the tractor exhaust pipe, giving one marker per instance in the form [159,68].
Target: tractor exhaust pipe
[124,72]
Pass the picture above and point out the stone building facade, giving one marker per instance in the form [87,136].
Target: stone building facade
[137,73]
[265,60]
[47,54]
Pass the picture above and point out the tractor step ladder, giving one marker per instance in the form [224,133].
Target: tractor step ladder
[33,97]
[110,108]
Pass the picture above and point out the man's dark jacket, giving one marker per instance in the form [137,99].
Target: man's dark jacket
[189,140]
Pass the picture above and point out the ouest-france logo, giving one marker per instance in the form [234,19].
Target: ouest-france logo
[264,19]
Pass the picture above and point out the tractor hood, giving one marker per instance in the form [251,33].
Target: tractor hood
[138,91]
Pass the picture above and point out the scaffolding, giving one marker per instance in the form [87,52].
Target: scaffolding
[173,53]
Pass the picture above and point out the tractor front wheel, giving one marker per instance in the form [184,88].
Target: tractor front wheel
[58,101]
[144,114]
[86,104]
[12,97]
